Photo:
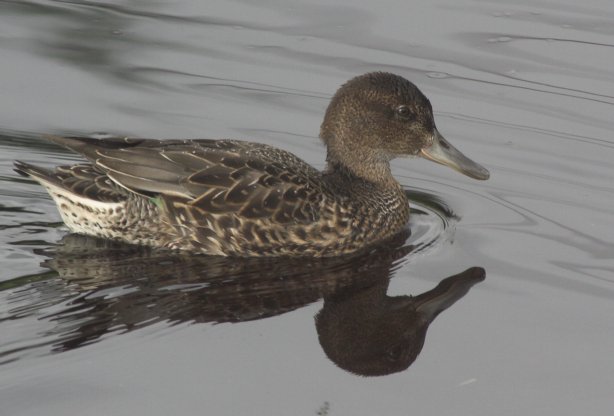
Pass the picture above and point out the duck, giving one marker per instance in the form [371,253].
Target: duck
[246,199]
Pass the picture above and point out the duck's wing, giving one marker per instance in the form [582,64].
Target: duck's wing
[249,180]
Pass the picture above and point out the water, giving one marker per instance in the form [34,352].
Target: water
[526,89]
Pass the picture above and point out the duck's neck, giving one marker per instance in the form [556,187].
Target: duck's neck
[362,165]
[375,196]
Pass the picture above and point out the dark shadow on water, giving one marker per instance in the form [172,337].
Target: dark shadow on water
[108,288]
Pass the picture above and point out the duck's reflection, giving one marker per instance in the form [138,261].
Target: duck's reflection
[361,329]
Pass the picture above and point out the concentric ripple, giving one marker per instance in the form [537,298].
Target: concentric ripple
[431,222]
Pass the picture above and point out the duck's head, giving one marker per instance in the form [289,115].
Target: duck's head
[378,116]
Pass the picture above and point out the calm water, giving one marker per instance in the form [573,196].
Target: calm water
[525,88]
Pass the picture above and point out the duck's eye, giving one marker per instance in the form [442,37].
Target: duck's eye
[404,112]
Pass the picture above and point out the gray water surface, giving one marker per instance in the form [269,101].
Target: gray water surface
[524,88]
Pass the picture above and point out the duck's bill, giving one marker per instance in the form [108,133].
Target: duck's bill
[443,152]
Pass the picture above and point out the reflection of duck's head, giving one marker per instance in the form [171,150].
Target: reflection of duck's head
[368,333]
[378,116]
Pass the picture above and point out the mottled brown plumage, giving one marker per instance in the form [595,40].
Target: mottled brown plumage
[229,197]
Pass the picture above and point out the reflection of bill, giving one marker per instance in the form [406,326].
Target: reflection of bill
[360,328]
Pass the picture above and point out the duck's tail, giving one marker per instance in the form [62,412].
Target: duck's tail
[41,175]
[81,181]
[88,201]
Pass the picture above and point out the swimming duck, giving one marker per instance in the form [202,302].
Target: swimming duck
[237,198]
